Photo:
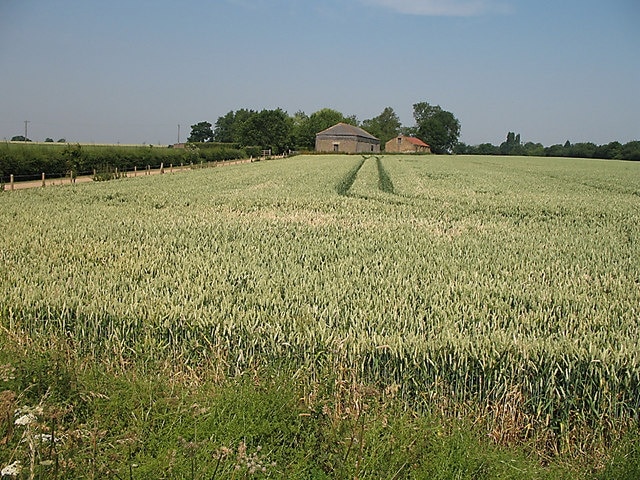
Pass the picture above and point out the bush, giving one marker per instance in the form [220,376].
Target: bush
[107,173]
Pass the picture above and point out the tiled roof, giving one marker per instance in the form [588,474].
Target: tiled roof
[346,130]
[416,141]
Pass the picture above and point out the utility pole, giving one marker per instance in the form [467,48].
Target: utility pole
[178,133]
[26,122]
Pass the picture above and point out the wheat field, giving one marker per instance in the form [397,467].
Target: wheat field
[505,288]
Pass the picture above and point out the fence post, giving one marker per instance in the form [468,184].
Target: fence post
[135,170]
[11,180]
[162,167]
[171,167]
[43,179]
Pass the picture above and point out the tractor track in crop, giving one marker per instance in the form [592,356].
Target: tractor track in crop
[385,184]
[347,181]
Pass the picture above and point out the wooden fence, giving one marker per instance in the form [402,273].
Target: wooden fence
[71,179]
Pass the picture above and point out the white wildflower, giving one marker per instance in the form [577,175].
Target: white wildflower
[46,438]
[26,419]
[12,470]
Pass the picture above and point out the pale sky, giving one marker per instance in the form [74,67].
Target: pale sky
[132,71]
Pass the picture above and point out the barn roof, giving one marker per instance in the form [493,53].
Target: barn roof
[415,141]
[346,130]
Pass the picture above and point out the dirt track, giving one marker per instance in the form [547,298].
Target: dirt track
[130,174]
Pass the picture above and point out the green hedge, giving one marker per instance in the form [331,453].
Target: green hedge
[28,160]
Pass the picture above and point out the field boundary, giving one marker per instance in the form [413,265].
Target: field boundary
[68,180]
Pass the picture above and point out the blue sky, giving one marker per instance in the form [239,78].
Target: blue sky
[131,71]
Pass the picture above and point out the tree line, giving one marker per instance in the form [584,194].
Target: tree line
[280,132]
[513,145]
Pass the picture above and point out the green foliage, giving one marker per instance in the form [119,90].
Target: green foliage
[201,132]
[278,131]
[437,127]
[31,159]
[385,126]
[24,160]
[533,149]
[229,128]
[628,151]
[513,146]
[223,130]
[143,423]
[625,462]
[267,129]
[106,173]
[274,129]
[305,133]
[72,155]
[212,152]
[253,151]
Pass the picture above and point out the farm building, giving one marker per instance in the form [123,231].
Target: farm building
[404,144]
[345,138]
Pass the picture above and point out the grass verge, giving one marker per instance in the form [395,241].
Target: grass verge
[67,417]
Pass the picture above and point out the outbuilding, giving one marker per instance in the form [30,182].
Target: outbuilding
[404,144]
[345,138]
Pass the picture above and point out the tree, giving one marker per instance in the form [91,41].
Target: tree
[48,140]
[73,158]
[437,127]
[487,149]
[20,138]
[629,151]
[610,150]
[268,129]
[385,126]
[298,121]
[201,132]
[512,146]
[462,148]
[533,149]
[223,131]
[556,150]
[318,121]
[582,150]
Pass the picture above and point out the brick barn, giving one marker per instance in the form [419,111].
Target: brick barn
[345,138]
[404,144]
